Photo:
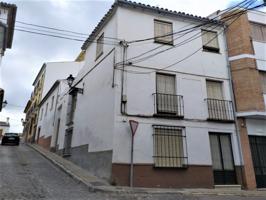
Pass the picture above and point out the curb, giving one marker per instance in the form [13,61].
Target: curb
[128,190]
[61,167]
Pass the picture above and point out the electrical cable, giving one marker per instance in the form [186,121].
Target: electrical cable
[129,59]
[135,72]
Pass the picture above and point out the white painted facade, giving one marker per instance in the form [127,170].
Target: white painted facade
[47,110]
[98,121]
[52,72]
[58,70]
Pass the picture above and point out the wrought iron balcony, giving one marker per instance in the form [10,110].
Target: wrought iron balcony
[220,110]
[168,105]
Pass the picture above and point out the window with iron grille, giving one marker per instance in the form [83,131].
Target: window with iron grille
[163,32]
[210,41]
[166,99]
[170,148]
[258,32]
[99,46]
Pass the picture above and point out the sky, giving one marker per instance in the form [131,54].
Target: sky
[21,64]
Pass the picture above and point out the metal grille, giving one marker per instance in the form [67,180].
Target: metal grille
[67,142]
[169,104]
[170,149]
[258,150]
[220,110]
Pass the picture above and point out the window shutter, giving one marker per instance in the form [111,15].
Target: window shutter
[214,90]
[210,39]
[163,31]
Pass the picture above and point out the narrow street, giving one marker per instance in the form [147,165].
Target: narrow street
[25,174]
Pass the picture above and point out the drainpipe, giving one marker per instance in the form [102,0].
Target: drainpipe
[123,98]
[234,105]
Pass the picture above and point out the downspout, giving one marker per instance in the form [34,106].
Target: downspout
[123,100]
[234,106]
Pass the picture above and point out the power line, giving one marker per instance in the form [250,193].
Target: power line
[62,37]
[194,51]
[192,29]
[197,26]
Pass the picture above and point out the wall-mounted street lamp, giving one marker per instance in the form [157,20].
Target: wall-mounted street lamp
[70,79]
[4,104]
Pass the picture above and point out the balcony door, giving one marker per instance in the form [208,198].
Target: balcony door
[166,98]
[222,159]
[216,105]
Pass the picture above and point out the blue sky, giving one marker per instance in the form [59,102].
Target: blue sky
[21,63]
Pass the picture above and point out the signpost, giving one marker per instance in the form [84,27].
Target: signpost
[133,126]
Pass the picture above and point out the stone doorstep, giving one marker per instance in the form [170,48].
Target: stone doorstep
[228,187]
[97,185]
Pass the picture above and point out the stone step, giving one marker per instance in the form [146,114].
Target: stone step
[228,187]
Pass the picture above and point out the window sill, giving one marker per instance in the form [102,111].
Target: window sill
[165,43]
[168,115]
[211,50]
[183,167]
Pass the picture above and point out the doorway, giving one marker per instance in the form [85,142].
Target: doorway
[258,151]
[222,159]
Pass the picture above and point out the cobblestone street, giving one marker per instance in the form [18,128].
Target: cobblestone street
[25,175]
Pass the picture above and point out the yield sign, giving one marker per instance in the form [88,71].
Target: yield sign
[133,125]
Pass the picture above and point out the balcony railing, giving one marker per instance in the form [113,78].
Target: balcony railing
[220,110]
[168,104]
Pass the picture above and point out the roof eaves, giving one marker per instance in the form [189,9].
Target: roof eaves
[99,26]
[39,73]
[167,11]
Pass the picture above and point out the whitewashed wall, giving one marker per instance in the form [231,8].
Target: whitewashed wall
[94,114]
[191,76]
[256,126]
[47,123]
[59,70]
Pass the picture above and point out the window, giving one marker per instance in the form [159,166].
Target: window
[163,32]
[41,114]
[46,109]
[99,46]
[169,146]
[166,94]
[258,32]
[52,104]
[210,41]
[71,108]
[214,90]
[263,79]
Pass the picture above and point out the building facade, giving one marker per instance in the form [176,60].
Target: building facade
[4,127]
[246,40]
[48,74]
[47,128]
[186,135]
[7,25]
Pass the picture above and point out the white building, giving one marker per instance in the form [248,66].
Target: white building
[49,73]
[7,25]
[184,111]
[4,127]
[46,130]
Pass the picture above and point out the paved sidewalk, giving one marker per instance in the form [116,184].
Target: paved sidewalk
[98,185]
